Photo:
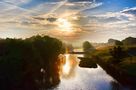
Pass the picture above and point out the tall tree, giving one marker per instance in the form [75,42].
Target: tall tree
[87,47]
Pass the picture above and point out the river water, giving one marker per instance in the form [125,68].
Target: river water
[74,77]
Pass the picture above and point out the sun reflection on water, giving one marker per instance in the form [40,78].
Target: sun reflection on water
[68,65]
[74,77]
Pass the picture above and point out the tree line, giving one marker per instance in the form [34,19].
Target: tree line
[29,64]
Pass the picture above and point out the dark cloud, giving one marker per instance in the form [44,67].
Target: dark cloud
[39,18]
[79,0]
[51,19]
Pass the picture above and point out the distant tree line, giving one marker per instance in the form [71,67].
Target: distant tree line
[29,64]
[118,52]
[126,41]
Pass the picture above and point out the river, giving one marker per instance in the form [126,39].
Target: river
[74,77]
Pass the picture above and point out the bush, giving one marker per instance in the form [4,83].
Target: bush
[117,54]
[21,62]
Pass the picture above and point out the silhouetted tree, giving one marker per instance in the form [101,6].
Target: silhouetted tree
[114,42]
[87,46]
[129,41]
[118,43]
[24,64]
[117,53]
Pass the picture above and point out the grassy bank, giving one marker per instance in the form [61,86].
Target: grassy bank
[121,66]
[127,63]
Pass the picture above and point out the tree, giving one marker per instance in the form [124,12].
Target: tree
[117,53]
[118,43]
[21,62]
[87,47]
[114,42]
[129,41]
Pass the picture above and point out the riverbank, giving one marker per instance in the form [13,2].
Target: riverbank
[124,59]
[86,62]
[122,68]
[117,73]
[30,64]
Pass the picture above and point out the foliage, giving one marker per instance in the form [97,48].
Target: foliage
[124,58]
[129,41]
[87,46]
[114,42]
[129,64]
[21,62]
[117,53]
[118,43]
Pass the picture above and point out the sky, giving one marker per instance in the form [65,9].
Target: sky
[69,20]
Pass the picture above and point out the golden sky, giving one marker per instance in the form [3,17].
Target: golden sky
[68,20]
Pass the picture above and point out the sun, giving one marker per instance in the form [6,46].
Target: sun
[64,25]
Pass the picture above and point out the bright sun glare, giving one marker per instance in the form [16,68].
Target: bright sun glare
[64,25]
[66,67]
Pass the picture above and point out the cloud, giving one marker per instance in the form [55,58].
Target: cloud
[39,18]
[51,19]
[119,24]
[75,35]
[42,19]
[124,15]
[16,2]
[130,11]
[68,8]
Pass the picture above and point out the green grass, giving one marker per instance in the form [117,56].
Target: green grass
[103,54]
[128,63]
